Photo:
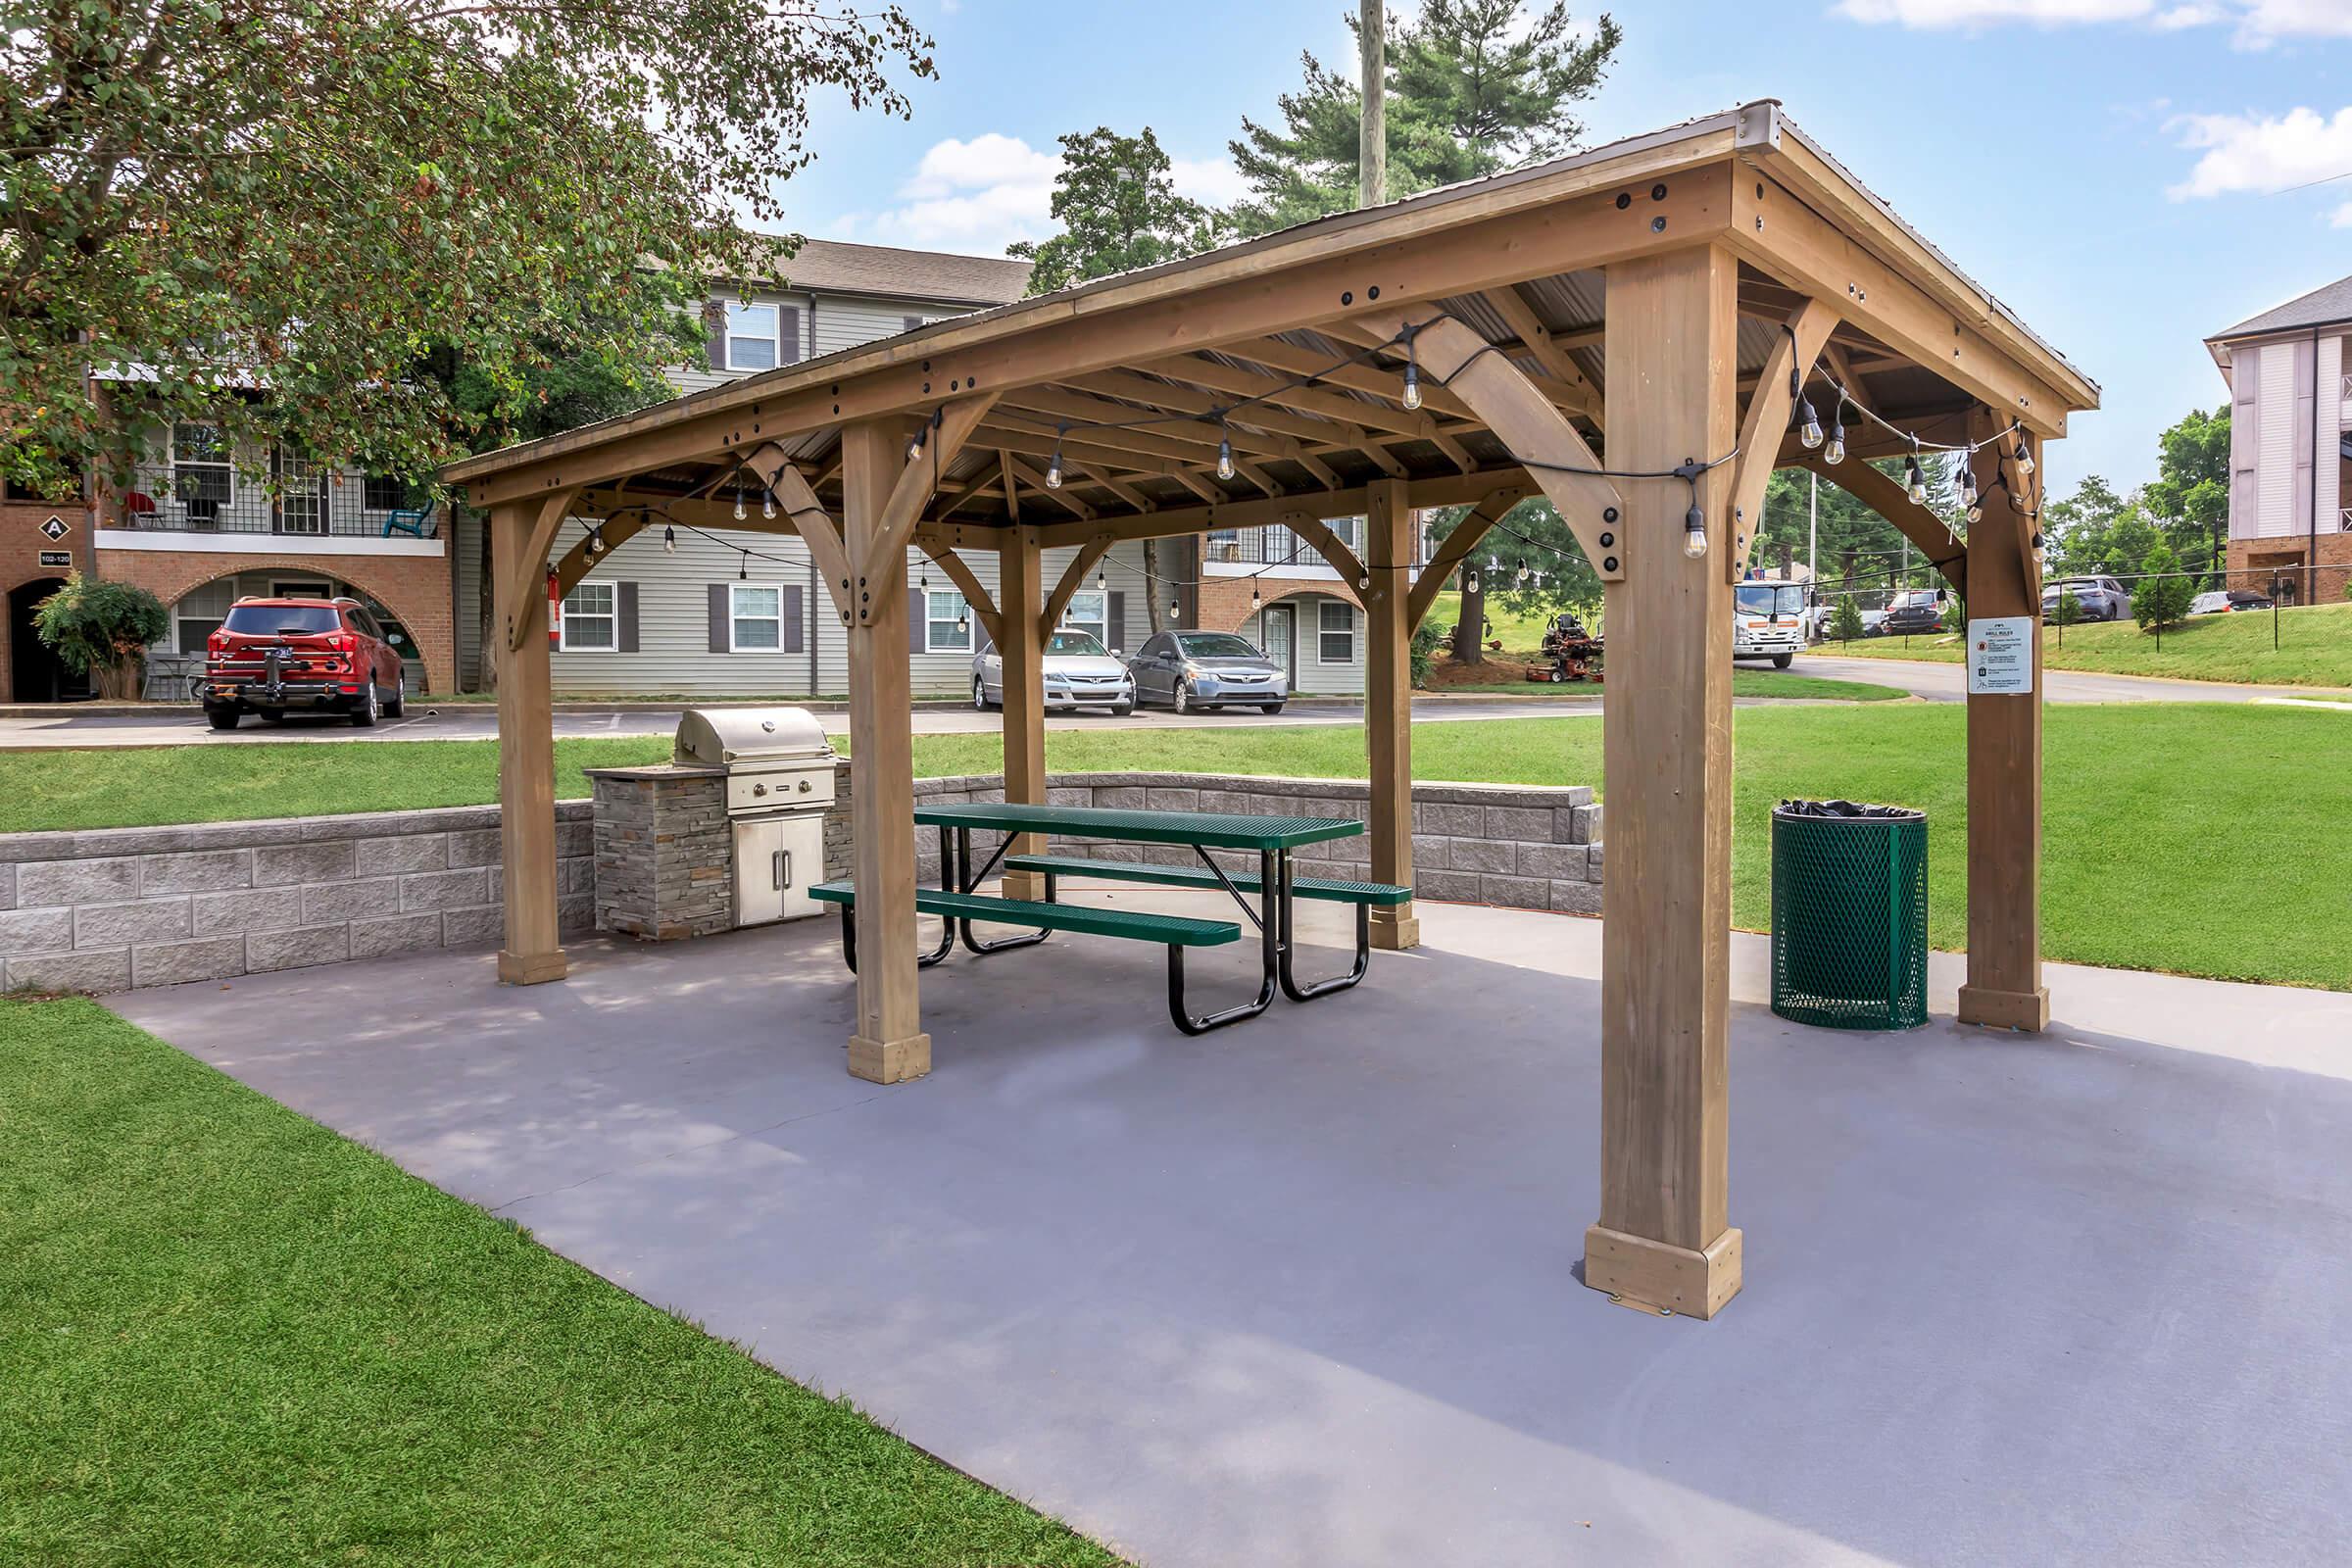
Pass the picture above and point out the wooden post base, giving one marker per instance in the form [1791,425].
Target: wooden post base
[2006,1010]
[1029,885]
[531,968]
[889,1061]
[1654,1275]
[1395,930]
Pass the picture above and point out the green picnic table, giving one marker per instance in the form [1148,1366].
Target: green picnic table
[1273,839]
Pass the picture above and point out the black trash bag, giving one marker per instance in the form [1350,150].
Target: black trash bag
[1843,808]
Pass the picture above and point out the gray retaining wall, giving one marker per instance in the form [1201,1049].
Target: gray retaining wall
[115,909]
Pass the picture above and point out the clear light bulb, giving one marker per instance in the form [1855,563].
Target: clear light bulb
[1917,482]
[914,446]
[1224,460]
[2025,458]
[1470,582]
[1256,601]
[669,541]
[1695,532]
[1412,385]
[740,513]
[768,506]
[596,540]
[1054,472]
[1968,485]
[1835,451]
[1808,425]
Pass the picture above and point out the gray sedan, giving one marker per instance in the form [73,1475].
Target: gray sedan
[1189,669]
[1080,673]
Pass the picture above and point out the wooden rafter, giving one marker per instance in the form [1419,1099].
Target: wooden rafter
[1546,349]
[1528,424]
[1060,496]
[886,557]
[1768,413]
[1456,547]
[819,530]
[975,593]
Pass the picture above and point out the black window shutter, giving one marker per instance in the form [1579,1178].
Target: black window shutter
[918,622]
[1115,634]
[720,637]
[790,640]
[714,323]
[788,335]
[624,598]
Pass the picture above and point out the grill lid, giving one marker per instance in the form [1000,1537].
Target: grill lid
[720,737]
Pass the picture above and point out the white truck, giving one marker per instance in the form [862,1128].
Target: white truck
[1768,620]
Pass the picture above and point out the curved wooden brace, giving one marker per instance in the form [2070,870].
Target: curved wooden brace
[524,576]
[1768,413]
[1072,576]
[975,594]
[886,553]
[813,524]
[1465,538]
[1526,421]
[1890,500]
[577,563]
[1342,560]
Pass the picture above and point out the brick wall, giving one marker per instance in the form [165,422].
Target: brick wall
[2256,563]
[415,588]
[1225,601]
[117,909]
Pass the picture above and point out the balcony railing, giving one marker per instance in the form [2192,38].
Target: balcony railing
[1269,547]
[210,498]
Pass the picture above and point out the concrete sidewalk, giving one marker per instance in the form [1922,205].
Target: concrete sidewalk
[1305,1291]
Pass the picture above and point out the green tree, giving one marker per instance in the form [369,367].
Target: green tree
[101,626]
[1473,86]
[2191,494]
[2066,612]
[2162,599]
[1117,205]
[1845,622]
[1539,573]
[307,199]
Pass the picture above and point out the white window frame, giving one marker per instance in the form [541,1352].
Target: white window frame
[1323,629]
[736,618]
[1098,624]
[567,642]
[949,640]
[226,463]
[739,313]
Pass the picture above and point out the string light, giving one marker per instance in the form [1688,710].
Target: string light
[1808,422]
[596,539]
[1412,375]
[1915,481]
[1470,581]
[669,541]
[1224,453]
[1053,468]
[743,572]
[2025,458]
[740,513]
[767,504]
[1255,601]
[1968,487]
[1835,451]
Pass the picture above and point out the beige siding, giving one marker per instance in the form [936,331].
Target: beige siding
[2275,478]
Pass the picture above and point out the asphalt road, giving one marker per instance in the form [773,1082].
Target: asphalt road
[1942,683]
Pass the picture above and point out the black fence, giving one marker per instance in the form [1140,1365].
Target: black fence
[297,500]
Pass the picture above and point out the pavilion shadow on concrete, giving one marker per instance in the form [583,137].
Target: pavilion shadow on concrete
[1674,299]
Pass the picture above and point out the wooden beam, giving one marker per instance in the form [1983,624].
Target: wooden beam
[1548,351]
[887,1045]
[885,554]
[1473,242]
[2004,986]
[819,531]
[1457,546]
[1389,705]
[1060,496]
[1021,578]
[1125,492]
[1891,501]
[577,563]
[968,583]
[1527,426]
[524,573]
[1768,415]
[1335,551]
[531,952]
[1073,577]
[1170,522]
[1664,1239]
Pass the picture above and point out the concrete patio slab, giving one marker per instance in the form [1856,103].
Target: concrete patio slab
[1304,1291]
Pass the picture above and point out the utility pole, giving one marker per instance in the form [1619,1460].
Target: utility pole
[1372,142]
[1813,527]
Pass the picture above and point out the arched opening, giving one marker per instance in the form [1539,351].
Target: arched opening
[35,674]
[197,611]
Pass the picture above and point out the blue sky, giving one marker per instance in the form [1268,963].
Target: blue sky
[2109,167]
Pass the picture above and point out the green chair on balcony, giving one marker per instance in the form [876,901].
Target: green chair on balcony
[417,523]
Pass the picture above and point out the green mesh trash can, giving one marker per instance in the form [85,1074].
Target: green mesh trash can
[1849,914]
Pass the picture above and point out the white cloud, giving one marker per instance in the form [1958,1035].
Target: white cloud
[2258,23]
[981,195]
[2264,153]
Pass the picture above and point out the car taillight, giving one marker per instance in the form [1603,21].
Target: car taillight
[215,645]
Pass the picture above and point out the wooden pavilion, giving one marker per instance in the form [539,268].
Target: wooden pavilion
[1673,300]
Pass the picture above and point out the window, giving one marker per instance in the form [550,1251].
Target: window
[949,628]
[751,336]
[302,502]
[200,611]
[203,479]
[386,493]
[1335,641]
[755,619]
[1345,530]
[1088,611]
[588,621]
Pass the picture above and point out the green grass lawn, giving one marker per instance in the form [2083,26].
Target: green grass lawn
[1513,630]
[2314,648]
[1745,683]
[228,1336]
[2202,838]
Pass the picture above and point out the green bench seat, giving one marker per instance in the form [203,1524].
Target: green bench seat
[1139,925]
[1379,895]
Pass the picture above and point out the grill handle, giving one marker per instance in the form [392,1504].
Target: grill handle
[779,870]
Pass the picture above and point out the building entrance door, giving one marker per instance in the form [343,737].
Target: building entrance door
[1282,622]
[35,674]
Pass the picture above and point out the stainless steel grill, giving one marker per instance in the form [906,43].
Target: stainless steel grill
[779,769]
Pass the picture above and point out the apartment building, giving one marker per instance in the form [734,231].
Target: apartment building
[2290,446]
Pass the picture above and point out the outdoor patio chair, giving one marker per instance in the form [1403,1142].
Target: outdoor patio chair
[416,521]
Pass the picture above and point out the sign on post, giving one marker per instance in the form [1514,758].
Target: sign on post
[2000,656]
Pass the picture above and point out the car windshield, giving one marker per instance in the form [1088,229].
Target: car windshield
[1769,599]
[262,620]
[1216,645]
[1075,643]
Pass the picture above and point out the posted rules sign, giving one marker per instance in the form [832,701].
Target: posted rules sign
[2000,656]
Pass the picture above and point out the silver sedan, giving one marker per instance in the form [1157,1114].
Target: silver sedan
[1080,674]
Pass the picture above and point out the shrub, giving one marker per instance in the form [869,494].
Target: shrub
[2164,596]
[1845,622]
[1426,638]
[103,627]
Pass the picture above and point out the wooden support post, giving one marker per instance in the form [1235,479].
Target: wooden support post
[1020,588]
[888,1044]
[1389,703]
[1663,1239]
[2004,986]
[526,740]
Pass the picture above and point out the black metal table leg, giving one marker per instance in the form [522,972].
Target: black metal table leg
[967,882]
[922,961]
[1269,925]
[1290,987]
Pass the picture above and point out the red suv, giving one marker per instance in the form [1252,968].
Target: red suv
[272,656]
